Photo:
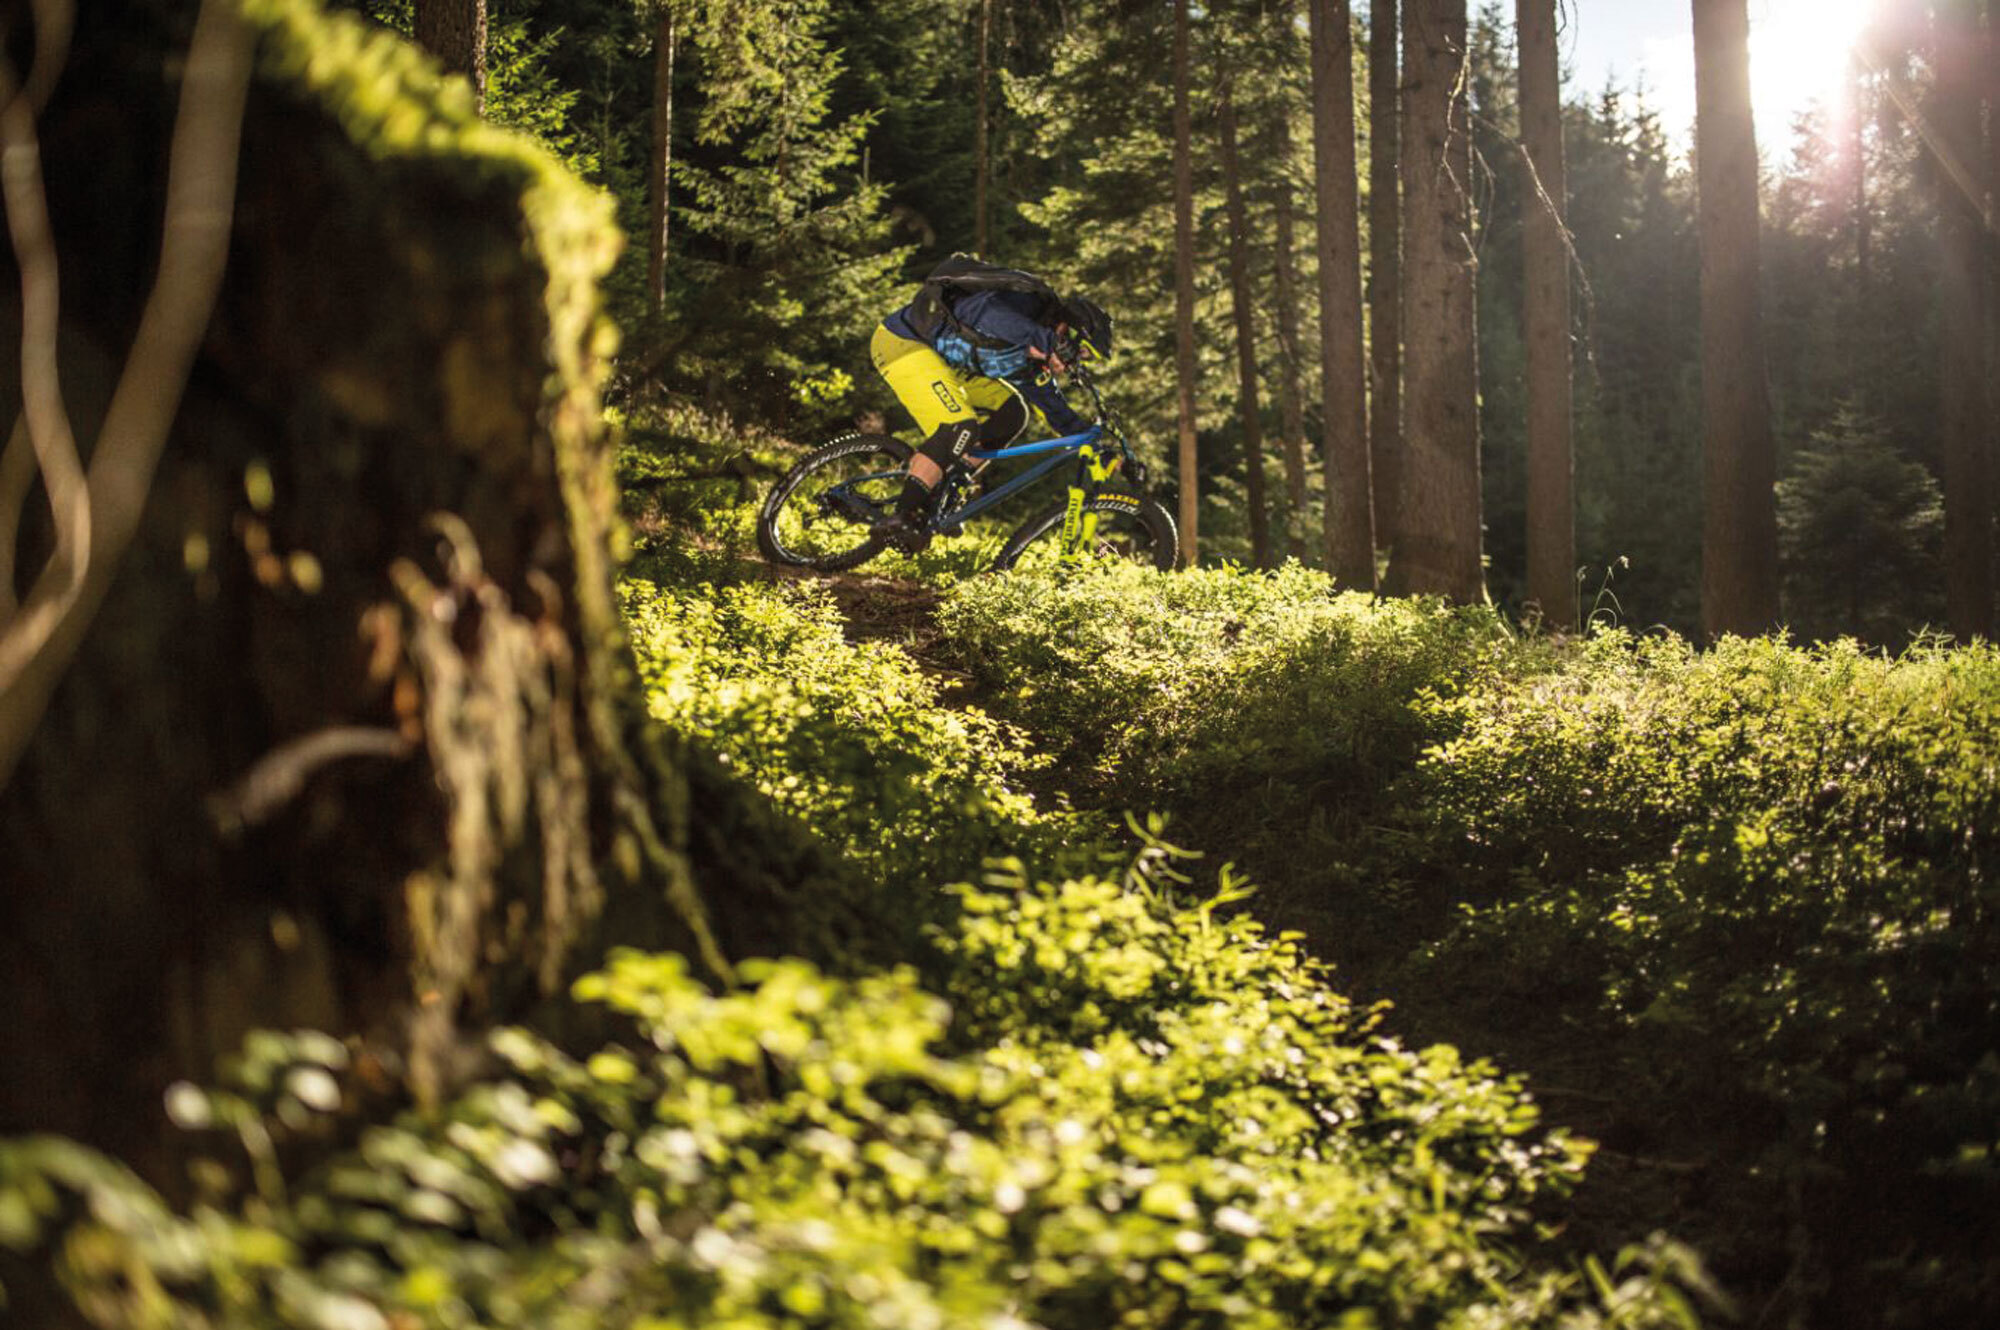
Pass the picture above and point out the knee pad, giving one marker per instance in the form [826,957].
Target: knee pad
[950,441]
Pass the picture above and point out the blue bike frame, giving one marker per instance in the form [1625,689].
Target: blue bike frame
[1057,452]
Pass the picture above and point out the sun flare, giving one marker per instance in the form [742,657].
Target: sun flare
[1799,53]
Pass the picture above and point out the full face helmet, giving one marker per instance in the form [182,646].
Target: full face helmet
[1089,328]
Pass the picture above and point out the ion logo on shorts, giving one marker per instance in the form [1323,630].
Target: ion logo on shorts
[944,395]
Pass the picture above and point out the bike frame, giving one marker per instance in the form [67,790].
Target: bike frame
[1054,453]
[1095,467]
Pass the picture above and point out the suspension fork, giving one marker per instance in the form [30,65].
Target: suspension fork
[1093,468]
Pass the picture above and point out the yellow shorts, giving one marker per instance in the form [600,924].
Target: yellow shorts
[932,391]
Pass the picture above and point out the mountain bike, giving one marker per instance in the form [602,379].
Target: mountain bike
[824,513]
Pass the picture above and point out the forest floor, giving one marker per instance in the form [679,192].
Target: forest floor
[1655,1170]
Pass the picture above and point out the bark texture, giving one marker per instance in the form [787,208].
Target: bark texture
[1385,270]
[982,166]
[355,742]
[1968,497]
[455,32]
[1350,519]
[1739,546]
[1992,64]
[1857,164]
[660,176]
[1249,410]
[1189,455]
[1438,522]
[1545,322]
[1291,398]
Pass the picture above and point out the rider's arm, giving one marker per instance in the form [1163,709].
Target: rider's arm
[1041,393]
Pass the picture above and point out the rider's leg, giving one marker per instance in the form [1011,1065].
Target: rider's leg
[1002,416]
[944,449]
[937,398]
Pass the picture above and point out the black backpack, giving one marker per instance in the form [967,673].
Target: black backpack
[962,275]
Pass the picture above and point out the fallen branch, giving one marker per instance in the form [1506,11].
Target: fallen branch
[281,774]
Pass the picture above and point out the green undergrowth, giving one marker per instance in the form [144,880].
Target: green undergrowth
[1267,710]
[1092,1093]
[848,738]
[1107,1108]
[690,483]
[1754,886]
[851,739]
[1774,870]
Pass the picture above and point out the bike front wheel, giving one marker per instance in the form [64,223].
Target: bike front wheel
[1138,529]
[823,512]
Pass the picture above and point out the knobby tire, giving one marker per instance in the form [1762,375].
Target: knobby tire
[1140,530]
[794,530]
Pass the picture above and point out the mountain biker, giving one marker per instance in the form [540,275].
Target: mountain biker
[977,376]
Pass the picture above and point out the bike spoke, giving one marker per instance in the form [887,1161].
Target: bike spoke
[831,510]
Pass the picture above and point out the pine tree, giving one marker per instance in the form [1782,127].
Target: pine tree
[1968,498]
[659,178]
[787,248]
[1638,408]
[1385,270]
[1545,318]
[1739,590]
[1859,529]
[982,158]
[455,32]
[1184,359]
[1285,282]
[1438,514]
[1350,523]
[1248,409]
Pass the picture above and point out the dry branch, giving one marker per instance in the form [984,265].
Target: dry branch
[201,187]
[25,631]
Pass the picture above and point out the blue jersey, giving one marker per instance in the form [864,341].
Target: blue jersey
[1006,317]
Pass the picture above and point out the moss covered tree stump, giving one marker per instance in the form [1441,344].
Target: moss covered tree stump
[352,742]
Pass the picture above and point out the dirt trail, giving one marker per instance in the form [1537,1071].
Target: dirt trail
[892,609]
[1650,1171]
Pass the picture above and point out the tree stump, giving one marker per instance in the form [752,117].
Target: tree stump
[353,742]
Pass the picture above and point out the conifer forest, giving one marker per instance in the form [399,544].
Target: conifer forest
[999,664]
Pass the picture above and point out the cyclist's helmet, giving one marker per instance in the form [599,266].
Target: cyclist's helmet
[1089,329]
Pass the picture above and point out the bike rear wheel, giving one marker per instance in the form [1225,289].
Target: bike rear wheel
[1138,529]
[822,513]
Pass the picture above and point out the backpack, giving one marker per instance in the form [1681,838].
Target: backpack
[962,275]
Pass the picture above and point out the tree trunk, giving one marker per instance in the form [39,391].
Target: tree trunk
[1968,499]
[1385,271]
[1291,400]
[1190,481]
[1350,520]
[1545,316]
[1857,153]
[1992,63]
[1248,409]
[1438,515]
[981,157]
[1739,565]
[661,176]
[355,742]
[455,32]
